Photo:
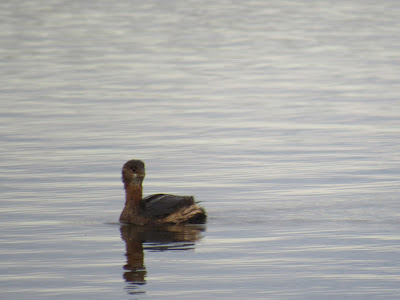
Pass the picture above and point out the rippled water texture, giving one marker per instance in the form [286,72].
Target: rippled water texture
[281,117]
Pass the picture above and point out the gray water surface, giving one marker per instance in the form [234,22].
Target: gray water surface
[281,117]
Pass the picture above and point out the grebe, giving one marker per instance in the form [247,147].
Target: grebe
[157,208]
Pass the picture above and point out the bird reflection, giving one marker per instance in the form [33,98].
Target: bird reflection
[153,238]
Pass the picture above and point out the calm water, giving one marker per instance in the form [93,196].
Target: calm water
[282,117]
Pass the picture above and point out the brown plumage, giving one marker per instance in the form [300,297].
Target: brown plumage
[157,208]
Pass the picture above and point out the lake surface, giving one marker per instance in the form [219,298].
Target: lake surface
[281,117]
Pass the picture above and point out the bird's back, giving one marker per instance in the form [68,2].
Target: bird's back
[159,205]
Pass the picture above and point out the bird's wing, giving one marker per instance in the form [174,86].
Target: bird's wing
[165,204]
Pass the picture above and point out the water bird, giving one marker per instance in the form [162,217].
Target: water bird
[157,208]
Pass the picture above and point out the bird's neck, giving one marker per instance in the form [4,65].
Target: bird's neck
[133,196]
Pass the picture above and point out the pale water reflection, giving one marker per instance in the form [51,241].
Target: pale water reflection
[281,117]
